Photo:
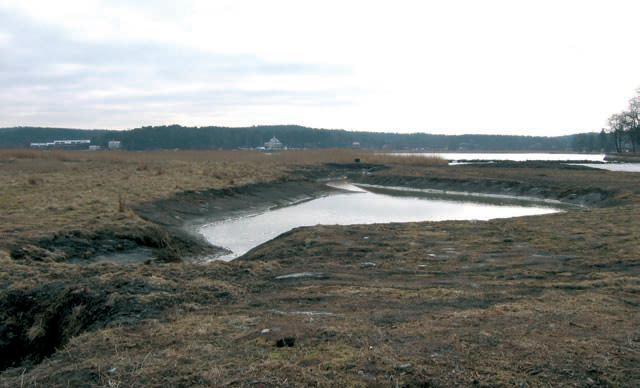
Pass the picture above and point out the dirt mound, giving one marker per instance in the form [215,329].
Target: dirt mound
[586,196]
[197,207]
[85,245]
[35,322]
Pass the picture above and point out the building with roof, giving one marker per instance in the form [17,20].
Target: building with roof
[274,144]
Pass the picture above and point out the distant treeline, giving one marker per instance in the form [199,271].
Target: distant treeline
[293,136]
[22,137]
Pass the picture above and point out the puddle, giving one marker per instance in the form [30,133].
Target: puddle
[357,206]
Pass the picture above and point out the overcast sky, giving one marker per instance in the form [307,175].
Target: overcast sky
[463,66]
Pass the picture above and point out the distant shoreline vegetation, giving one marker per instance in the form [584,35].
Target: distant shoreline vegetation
[293,136]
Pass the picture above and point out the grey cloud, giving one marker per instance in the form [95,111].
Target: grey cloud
[35,86]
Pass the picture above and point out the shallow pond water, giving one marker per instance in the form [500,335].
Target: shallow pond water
[357,206]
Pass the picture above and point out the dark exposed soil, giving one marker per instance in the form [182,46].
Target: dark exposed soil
[172,223]
[586,196]
[82,246]
[36,318]
[61,311]
[191,209]
[36,322]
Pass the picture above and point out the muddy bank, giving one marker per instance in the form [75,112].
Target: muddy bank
[583,196]
[35,322]
[140,242]
[169,231]
[186,212]
[189,209]
[43,305]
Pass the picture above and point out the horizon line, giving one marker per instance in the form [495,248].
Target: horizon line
[302,126]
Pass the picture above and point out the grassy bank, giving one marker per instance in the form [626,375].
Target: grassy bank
[532,301]
[66,195]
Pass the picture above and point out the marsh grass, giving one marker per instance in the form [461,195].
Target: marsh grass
[494,312]
[294,157]
[536,301]
[406,160]
[48,191]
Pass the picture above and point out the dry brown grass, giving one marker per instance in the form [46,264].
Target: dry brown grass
[536,301]
[449,304]
[335,155]
[405,160]
[42,192]
[45,191]
[293,157]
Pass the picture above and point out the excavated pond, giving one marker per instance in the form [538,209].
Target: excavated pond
[356,205]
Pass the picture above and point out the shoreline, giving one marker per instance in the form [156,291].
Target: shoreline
[172,230]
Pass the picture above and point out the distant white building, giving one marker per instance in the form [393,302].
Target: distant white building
[355,145]
[273,144]
[94,147]
[41,145]
[62,144]
[114,144]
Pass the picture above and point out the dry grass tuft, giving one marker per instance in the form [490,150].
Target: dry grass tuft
[121,204]
[34,181]
[36,331]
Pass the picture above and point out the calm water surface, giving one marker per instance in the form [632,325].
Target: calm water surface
[359,206]
[625,167]
[517,157]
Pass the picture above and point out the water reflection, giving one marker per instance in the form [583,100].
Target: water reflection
[625,167]
[241,234]
[516,157]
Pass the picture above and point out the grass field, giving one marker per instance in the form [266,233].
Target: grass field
[536,301]
[42,192]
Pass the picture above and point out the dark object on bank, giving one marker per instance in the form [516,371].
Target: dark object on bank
[286,341]
[356,160]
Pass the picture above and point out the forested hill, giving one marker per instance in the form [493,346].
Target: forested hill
[21,137]
[178,137]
